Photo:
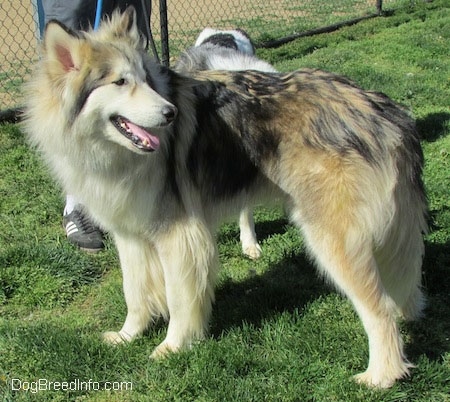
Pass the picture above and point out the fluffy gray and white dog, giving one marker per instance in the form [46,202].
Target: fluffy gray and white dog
[159,157]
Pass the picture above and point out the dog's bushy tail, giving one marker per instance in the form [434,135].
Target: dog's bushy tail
[401,254]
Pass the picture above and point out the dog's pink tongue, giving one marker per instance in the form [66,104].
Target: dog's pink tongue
[149,140]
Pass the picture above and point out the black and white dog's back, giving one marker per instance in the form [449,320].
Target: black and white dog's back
[236,39]
[227,50]
[222,50]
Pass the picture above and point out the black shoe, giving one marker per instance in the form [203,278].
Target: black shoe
[82,232]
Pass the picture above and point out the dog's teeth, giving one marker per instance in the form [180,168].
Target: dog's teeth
[145,142]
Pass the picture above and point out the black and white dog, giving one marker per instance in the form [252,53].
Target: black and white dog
[233,49]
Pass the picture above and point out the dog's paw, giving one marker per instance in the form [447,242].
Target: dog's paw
[163,350]
[368,379]
[252,251]
[385,377]
[114,338]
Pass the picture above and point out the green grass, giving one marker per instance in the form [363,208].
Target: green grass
[278,333]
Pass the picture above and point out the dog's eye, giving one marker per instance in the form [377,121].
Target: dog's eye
[120,82]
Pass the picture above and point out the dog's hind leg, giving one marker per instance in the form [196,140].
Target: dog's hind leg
[143,285]
[189,257]
[344,254]
[340,209]
[346,257]
[250,246]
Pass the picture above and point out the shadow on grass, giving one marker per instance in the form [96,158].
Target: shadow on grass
[430,335]
[433,126]
[286,286]
[294,282]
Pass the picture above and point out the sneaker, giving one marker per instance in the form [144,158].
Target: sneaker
[82,232]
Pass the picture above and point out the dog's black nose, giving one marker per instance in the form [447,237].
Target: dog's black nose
[170,112]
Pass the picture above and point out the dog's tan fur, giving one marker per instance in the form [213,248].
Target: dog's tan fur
[346,162]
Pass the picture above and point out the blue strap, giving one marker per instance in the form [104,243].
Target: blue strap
[98,14]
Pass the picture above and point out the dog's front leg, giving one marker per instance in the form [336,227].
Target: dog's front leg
[250,246]
[188,254]
[143,285]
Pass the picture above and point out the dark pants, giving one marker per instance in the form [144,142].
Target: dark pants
[80,14]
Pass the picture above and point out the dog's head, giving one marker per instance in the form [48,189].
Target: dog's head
[100,82]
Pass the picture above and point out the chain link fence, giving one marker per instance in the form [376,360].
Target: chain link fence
[267,22]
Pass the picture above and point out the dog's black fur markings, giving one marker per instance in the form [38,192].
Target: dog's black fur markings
[222,40]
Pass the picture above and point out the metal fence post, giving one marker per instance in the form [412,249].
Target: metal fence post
[165,58]
[379,7]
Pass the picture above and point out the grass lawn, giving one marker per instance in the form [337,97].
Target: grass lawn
[278,332]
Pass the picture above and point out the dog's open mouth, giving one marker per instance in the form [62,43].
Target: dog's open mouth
[139,136]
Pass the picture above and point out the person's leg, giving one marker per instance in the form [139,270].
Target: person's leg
[64,11]
[80,230]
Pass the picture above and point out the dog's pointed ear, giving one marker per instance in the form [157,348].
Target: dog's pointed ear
[124,26]
[60,46]
[128,22]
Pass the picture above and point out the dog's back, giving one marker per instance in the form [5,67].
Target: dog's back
[221,50]
[350,162]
